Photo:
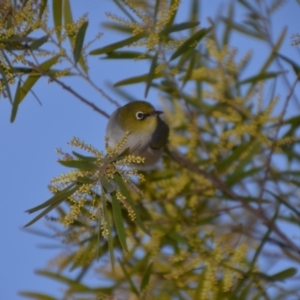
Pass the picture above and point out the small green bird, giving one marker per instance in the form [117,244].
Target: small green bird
[148,133]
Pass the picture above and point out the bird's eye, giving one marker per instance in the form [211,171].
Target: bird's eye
[140,115]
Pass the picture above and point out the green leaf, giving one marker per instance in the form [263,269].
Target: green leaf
[151,74]
[126,55]
[42,214]
[84,157]
[85,180]
[39,42]
[117,27]
[67,13]
[269,60]
[179,27]
[107,185]
[223,165]
[146,277]
[242,29]
[191,42]
[285,203]
[137,79]
[190,69]
[117,213]
[76,286]
[57,198]
[4,78]
[79,41]
[261,77]
[37,296]
[228,29]
[33,72]
[108,226]
[68,19]
[16,103]
[16,38]
[79,164]
[294,123]
[117,45]
[294,65]
[28,84]
[240,174]
[130,201]
[174,13]
[178,238]
[265,238]
[275,49]
[43,5]
[156,9]
[283,275]
[128,277]
[57,16]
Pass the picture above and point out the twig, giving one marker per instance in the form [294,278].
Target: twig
[66,87]
[218,183]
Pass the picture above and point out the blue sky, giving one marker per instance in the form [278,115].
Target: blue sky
[27,153]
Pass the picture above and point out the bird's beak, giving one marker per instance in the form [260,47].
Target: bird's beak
[157,113]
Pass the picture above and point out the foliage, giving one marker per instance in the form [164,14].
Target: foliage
[201,225]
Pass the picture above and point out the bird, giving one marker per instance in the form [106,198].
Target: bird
[147,132]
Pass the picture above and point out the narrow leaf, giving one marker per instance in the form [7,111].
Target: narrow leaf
[128,277]
[130,201]
[191,42]
[126,55]
[117,27]
[4,78]
[67,13]
[286,203]
[146,277]
[294,65]
[223,165]
[270,59]
[108,226]
[85,180]
[76,286]
[16,102]
[174,12]
[39,42]
[260,77]
[29,83]
[84,157]
[37,296]
[179,27]
[242,29]
[275,49]
[58,197]
[151,74]
[117,213]
[79,164]
[228,29]
[43,5]
[107,185]
[57,16]
[79,41]
[136,79]
[285,274]
[43,213]
[190,69]
[117,45]
[156,9]
[265,238]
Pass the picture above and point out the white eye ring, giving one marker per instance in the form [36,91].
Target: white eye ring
[140,115]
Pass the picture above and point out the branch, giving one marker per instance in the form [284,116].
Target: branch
[219,184]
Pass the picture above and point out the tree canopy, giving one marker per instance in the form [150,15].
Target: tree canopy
[203,224]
